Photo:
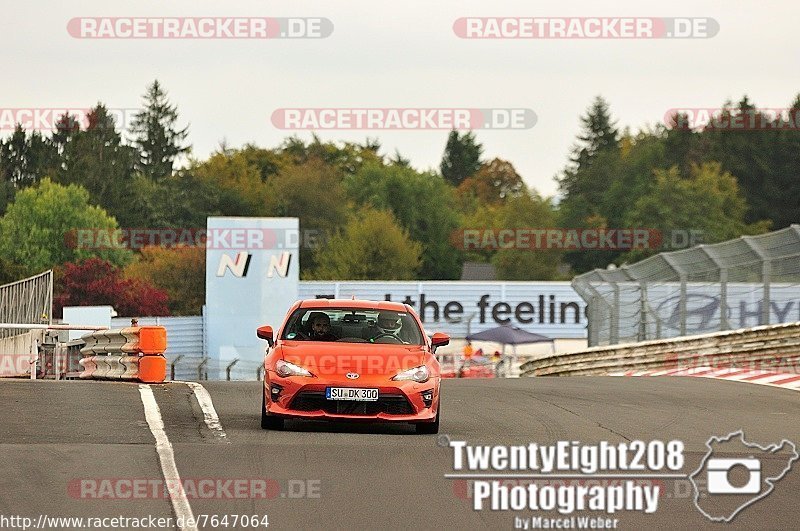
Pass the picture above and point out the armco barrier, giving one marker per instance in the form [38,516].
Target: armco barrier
[18,353]
[760,347]
[134,353]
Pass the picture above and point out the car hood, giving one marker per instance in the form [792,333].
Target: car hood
[337,359]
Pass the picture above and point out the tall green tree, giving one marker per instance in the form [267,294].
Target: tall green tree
[639,155]
[371,246]
[709,202]
[747,154]
[96,159]
[38,231]
[585,182]
[25,158]
[462,157]
[599,133]
[311,191]
[522,212]
[226,184]
[399,160]
[158,140]
[344,159]
[495,182]
[588,175]
[682,144]
[11,272]
[786,204]
[423,204]
[760,150]
[269,162]
[67,127]
[527,210]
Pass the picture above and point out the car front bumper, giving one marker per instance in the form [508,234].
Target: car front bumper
[304,398]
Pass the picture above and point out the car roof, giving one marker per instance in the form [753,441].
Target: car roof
[351,303]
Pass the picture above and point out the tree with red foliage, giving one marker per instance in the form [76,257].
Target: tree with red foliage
[96,282]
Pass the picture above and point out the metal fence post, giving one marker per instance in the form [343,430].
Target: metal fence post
[172,366]
[643,312]
[229,367]
[614,317]
[723,299]
[200,367]
[34,357]
[658,325]
[683,304]
[591,327]
[765,305]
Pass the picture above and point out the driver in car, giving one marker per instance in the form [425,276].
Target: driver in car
[321,328]
[388,325]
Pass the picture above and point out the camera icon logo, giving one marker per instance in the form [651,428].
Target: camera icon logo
[718,480]
[735,474]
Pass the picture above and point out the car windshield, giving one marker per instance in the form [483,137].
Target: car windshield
[353,325]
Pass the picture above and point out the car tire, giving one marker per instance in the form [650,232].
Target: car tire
[430,428]
[269,422]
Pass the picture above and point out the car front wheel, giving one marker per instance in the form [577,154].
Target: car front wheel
[269,422]
[430,428]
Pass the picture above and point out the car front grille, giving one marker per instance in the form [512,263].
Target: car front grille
[315,400]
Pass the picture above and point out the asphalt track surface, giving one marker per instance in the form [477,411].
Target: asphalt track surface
[369,476]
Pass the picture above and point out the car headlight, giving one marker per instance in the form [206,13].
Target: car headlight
[284,369]
[418,374]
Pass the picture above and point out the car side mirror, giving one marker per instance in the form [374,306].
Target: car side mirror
[440,339]
[265,332]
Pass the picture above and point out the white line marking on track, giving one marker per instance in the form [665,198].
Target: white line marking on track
[207,405]
[169,470]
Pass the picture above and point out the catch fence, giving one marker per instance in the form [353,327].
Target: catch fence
[749,281]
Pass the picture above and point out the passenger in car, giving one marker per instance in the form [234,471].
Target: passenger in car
[321,327]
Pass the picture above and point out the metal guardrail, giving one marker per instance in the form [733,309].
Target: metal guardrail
[133,353]
[198,368]
[34,350]
[761,347]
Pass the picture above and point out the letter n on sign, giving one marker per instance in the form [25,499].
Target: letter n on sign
[279,264]
[238,267]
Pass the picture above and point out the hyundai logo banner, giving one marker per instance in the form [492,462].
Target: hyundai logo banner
[704,310]
[252,272]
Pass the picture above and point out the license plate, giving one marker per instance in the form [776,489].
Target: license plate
[351,393]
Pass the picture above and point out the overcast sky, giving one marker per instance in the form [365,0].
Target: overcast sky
[404,54]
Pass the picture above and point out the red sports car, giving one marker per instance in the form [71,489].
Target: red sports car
[470,369]
[351,360]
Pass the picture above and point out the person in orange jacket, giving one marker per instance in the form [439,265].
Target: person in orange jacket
[468,351]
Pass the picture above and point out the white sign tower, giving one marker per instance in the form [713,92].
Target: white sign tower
[252,275]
